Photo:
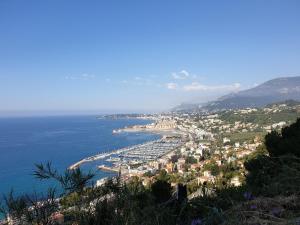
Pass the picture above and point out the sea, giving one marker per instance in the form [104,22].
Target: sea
[61,140]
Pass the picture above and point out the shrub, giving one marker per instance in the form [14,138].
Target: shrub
[288,142]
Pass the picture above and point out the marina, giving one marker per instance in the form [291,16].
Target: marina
[133,155]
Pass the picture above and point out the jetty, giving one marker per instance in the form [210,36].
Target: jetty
[107,168]
[92,158]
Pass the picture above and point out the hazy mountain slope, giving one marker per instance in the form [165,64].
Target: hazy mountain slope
[187,107]
[279,89]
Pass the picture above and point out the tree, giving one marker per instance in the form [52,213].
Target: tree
[161,190]
[31,209]
[278,173]
[71,181]
[190,160]
[288,142]
[41,209]
[213,167]
[13,206]
[163,175]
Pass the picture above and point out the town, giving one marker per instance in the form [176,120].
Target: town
[201,148]
[197,155]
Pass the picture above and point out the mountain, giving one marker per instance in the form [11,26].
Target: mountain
[276,90]
[187,107]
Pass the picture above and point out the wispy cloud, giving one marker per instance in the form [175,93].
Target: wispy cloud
[182,75]
[84,76]
[196,86]
[139,81]
[172,86]
[188,82]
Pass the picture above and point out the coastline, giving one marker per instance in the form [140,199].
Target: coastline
[149,128]
[158,126]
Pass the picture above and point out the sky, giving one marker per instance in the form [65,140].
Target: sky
[140,56]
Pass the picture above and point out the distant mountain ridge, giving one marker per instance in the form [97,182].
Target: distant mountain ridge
[275,90]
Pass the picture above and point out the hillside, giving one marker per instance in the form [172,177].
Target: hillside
[276,90]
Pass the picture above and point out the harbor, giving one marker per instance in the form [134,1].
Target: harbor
[133,155]
[137,159]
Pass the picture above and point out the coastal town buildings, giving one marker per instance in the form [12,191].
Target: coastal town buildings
[195,148]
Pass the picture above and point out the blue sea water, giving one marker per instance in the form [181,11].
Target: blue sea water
[62,140]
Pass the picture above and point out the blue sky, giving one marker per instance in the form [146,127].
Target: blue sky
[71,56]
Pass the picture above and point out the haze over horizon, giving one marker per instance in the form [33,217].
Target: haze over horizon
[61,57]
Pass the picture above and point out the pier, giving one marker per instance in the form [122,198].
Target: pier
[106,168]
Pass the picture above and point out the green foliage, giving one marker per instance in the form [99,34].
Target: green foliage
[260,151]
[148,174]
[41,213]
[176,178]
[15,206]
[244,136]
[192,186]
[161,191]
[32,209]
[71,181]
[278,210]
[278,173]
[261,170]
[210,208]
[266,176]
[70,200]
[273,176]
[163,176]
[288,142]
[213,167]
[190,160]
[229,170]
[273,170]
[260,117]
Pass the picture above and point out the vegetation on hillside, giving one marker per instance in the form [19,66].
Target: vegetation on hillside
[270,195]
[287,111]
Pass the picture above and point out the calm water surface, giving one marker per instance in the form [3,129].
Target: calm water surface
[61,140]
